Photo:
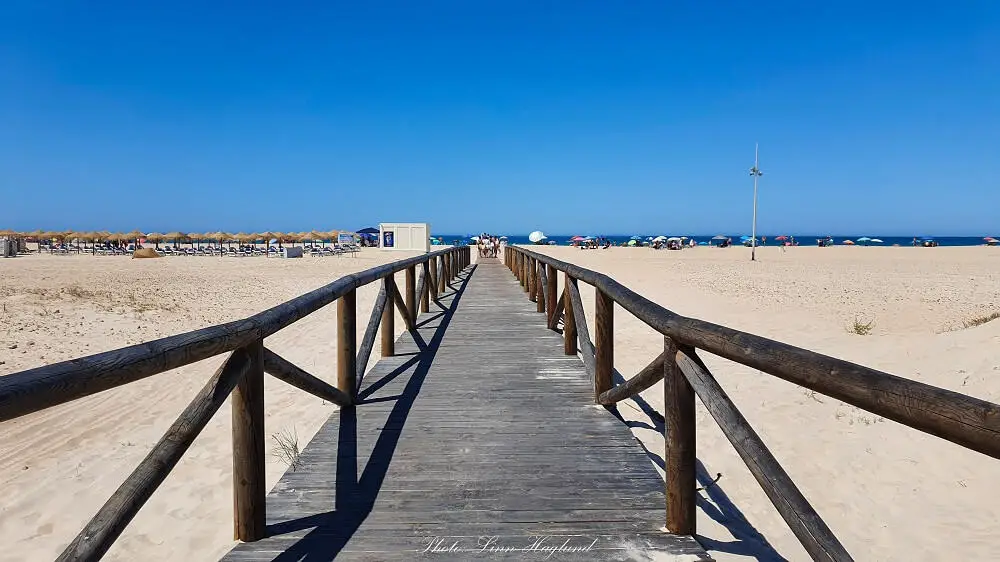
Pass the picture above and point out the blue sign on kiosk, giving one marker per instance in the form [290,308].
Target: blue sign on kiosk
[387,241]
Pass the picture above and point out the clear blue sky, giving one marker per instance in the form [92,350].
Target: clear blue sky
[614,117]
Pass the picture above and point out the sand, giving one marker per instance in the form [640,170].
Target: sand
[889,492]
[58,466]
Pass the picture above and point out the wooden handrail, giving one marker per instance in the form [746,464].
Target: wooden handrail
[956,417]
[240,376]
[961,419]
[100,533]
[818,540]
[43,387]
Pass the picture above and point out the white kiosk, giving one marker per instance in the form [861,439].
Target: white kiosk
[404,236]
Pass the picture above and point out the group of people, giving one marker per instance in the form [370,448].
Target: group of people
[488,245]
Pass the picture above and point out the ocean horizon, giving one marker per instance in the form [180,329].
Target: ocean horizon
[802,239]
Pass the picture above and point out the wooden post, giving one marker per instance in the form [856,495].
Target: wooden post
[347,345]
[553,282]
[679,437]
[249,485]
[411,293]
[532,281]
[442,276]
[432,270]
[540,287]
[569,322]
[525,281]
[425,295]
[389,319]
[604,340]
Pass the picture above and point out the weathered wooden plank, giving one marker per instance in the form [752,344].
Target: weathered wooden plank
[429,467]
[97,537]
[818,540]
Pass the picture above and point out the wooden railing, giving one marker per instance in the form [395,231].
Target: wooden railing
[961,419]
[241,374]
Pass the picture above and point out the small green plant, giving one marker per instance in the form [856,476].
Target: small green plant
[287,448]
[860,327]
[980,320]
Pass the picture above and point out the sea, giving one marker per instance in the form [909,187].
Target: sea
[802,239]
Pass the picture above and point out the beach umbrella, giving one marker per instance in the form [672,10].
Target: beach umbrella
[176,236]
[369,230]
[633,242]
[674,239]
[577,238]
[782,237]
[720,237]
[659,239]
[155,238]
[636,238]
[848,242]
[875,241]
[536,237]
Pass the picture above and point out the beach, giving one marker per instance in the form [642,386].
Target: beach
[58,466]
[887,491]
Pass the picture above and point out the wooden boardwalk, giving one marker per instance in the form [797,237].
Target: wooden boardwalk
[480,441]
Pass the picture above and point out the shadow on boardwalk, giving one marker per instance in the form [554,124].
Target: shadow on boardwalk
[749,542]
[355,496]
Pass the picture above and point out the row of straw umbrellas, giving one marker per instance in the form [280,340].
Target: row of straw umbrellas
[177,237]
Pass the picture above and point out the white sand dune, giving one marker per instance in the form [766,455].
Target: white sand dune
[890,493]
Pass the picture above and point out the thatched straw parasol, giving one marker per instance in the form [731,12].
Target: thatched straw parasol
[8,232]
[155,238]
[176,236]
[134,235]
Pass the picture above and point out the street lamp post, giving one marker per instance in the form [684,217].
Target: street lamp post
[756,173]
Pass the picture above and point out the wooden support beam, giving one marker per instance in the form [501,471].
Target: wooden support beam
[433,271]
[557,313]
[551,293]
[541,290]
[532,281]
[442,276]
[286,371]
[679,445]
[100,533]
[347,347]
[368,341]
[582,332]
[411,294]
[604,340]
[424,292]
[569,323]
[389,317]
[249,483]
[801,518]
[403,311]
[647,377]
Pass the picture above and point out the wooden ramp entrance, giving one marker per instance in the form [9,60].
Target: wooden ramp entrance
[479,441]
